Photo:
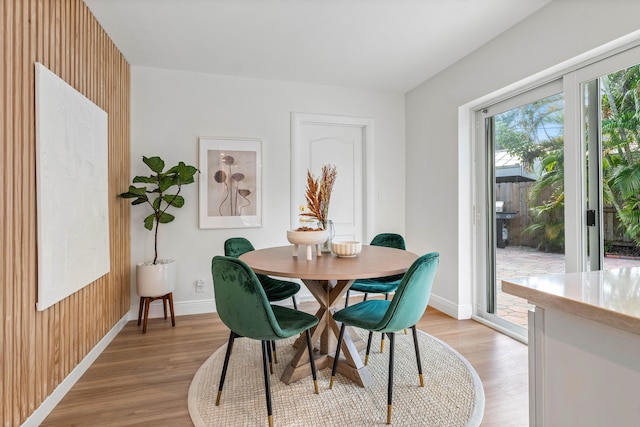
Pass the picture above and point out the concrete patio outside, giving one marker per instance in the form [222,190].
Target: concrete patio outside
[521,261]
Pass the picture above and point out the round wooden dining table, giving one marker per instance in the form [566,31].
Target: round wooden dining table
[328,278]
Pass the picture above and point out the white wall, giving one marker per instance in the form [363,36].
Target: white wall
[561,30]
[170,109]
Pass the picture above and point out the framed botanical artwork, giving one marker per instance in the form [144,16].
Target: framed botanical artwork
[230,192]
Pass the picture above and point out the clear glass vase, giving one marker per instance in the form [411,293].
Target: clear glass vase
[326,246]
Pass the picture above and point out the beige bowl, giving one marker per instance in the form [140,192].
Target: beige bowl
[307,237]
[346,249]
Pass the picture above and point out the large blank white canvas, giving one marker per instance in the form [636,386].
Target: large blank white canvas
[72,189]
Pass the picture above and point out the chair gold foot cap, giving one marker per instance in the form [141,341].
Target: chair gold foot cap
[315,386]
[218,398]
[421,380]
[366,359]
[381,346]
[275,357]
[331,382]
[270,421]
[389,414]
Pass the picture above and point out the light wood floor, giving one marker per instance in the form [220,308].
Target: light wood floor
[143,380]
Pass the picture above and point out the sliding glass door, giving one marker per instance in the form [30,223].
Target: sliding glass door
[611,134]
[524,210]
[557,182]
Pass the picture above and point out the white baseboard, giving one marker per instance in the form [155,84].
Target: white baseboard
[459,312]
[63,388]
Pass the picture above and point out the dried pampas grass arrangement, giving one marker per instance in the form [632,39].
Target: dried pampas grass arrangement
[318,194]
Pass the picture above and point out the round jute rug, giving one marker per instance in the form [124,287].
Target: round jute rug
[452,395]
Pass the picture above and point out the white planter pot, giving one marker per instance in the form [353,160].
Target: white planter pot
[155,280]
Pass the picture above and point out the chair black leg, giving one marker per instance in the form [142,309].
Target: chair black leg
[232,336]
[366,356]
[415,344]
[386,298]
[295,305]
[273,349]
[346,299]
[267,384]
[336,356]
[312,361]
[270,360]
[390,386]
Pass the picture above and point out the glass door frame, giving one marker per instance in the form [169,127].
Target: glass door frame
[573,83]
[485,202]
[591,113]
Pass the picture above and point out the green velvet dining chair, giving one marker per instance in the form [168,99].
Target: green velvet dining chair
[243,307]
[379,285]
[403,311]
[276,290]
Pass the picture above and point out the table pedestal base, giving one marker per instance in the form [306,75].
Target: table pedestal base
[324,338]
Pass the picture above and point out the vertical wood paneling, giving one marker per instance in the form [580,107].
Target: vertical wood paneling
[5,194]
[39,349]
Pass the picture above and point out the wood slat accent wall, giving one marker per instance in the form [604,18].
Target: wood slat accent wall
[39,349]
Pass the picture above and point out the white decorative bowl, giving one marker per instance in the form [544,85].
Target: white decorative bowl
[307,237]
[346,249]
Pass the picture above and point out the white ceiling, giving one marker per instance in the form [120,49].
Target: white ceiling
[373,44]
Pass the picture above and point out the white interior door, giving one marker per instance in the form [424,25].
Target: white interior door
[319,139]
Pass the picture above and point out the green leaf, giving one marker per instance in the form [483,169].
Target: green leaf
[185,174]
[156,203]
[134,192]
[140,200]
[174,200]
[166,182]
[146,179]
[165,218]
[148,221]
[156,164]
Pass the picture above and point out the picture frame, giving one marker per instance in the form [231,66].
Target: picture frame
[230,186]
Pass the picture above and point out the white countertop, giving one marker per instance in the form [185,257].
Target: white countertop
[610,297]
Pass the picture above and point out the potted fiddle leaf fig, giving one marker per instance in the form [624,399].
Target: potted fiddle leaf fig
[159,191]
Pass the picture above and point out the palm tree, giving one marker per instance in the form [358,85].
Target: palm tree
[534,134]
[621,155]
[549,214]
[524,132]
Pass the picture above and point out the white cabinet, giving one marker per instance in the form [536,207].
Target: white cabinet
[584,348]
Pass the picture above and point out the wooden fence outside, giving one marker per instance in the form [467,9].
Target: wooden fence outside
[516,199]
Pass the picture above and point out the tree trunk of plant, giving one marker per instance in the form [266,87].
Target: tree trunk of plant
[155,244]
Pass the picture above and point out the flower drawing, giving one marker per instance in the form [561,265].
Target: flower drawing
[235,191]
